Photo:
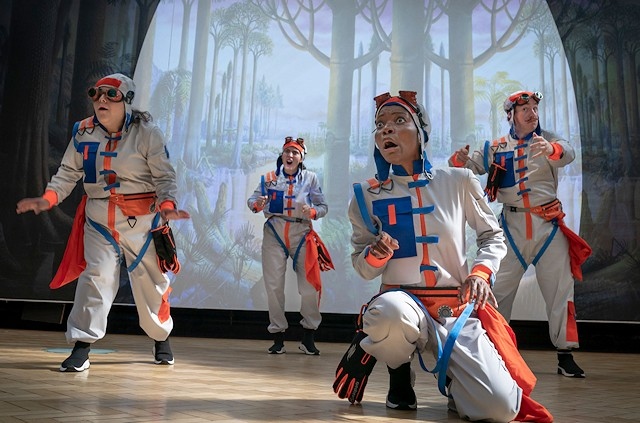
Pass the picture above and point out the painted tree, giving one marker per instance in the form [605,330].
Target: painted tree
[494,91]
[243,19]
[196,100]
[219,34]
[259,45]
[297,21]
[462,61]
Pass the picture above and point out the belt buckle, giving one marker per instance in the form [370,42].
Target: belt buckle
[513,209]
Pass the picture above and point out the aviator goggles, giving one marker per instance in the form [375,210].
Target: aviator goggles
[111,93]
[521,97]
[297,143]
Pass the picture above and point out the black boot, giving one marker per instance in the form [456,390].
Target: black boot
[401,395]
[78,361]
[278,344]
[566,365]
[307,345]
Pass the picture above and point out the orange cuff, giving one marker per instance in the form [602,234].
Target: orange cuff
[313,213]
[167,205]
[482,272]
[51,196]
[374,261]
[454,160]
[557,151]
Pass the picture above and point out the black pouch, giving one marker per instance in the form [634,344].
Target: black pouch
[166,249]
[494,180]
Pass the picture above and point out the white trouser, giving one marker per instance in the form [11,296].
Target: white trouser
[99,282]
[481,386]
[553,273]
[274,266]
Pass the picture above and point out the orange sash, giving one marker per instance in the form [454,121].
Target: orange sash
[317,259]
[73,262]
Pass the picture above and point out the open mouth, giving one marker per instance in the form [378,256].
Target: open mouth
[289,161]
[389,144]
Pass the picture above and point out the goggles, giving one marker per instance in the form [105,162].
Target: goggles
[407,97]
[298,144]
[521,97]
[113,94]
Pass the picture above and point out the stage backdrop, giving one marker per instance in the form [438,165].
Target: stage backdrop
[226,81]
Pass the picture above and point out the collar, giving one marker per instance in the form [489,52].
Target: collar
[398,170]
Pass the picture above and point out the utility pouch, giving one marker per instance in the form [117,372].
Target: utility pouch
[166,249]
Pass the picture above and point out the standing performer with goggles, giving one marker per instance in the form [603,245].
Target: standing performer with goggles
[130,187]
[522,172]
[409,228]
[291,199]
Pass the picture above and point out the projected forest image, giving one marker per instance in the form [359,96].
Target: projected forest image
[227,81]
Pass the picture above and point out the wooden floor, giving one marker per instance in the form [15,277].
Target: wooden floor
[222,380]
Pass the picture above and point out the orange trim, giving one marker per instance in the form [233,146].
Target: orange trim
[374,261]
[164,312]
[572,327]
[313,213]
[481,271]
[391,209]
[167,205]
[289,194]
[51,196]
[557,151]
[111,179]
[287,244]
[454,160]
[85,152]
[429,276]
[525,196]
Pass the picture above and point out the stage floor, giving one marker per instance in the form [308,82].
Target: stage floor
[225,380]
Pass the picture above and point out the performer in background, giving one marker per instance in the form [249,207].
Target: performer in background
[291,199]
[409,228]
[523,176]
[130,188]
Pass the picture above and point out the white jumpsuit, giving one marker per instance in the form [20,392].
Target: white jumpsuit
[283,237]
[530,238]
[428,217]
[133,161]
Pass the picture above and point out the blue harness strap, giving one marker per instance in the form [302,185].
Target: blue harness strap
[486,156]
[521,259]
[106,234]
[444,353]
[359,195]
[282,244]
[505,227]
[144,248]
[546,243]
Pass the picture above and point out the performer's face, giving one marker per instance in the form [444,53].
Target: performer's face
[525,118]
[291,159]
[110,113]
[396,136]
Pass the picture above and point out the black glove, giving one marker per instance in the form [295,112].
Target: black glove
[165,249]
[353,371]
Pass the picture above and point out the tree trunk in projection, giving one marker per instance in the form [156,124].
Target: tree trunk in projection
[144,70]
[461,74]
[336,159]
[26,100]
[407,47]
[196,103]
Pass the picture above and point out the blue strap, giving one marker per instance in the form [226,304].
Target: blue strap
[486,156]
[505,228]
[74,131]
[357,190]
[144,248]
[546,243]
[295,256]
[429,239]
[282,244]
[444,353]
[106,234]
[263,188]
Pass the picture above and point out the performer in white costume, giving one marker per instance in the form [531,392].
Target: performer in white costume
[523,176]
[130,187]
[409,228]
[291,199]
